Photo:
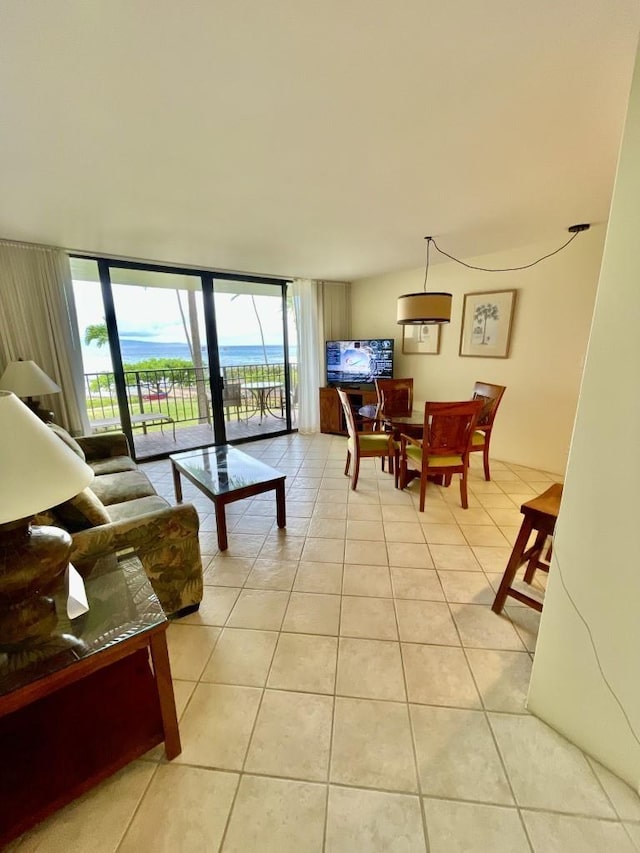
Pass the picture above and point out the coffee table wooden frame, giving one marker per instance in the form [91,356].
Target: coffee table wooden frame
[220,501]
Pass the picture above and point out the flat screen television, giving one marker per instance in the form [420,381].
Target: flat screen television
[359,362]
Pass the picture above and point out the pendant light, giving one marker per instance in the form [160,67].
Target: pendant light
[422,308]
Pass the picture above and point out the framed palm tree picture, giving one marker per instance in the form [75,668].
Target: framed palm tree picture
[486,324]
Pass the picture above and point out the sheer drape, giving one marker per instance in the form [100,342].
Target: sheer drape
[323,312]
[305,304]
[38,322]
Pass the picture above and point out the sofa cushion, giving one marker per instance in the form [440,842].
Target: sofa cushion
[115,465]
[81,512]
[124,486]
[71,443]
[136,508]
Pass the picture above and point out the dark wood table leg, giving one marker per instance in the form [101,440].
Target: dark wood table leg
[160,658]
[515,561]
[281,508]
[177,485]
[221,524]
[534,556]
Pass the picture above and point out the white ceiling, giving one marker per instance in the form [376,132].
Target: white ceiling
[321,139]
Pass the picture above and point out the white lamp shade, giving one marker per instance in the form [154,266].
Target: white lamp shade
[426,307]
[26,379]
[37,469]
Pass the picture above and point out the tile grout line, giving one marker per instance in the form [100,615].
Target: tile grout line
[242,771]
[599,782]
[395,598]
[137,807]
[414,748]
[330,756]
[492,735]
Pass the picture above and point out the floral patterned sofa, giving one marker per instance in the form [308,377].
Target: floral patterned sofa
[120,510]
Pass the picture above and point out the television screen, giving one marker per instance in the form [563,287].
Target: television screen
[355,362]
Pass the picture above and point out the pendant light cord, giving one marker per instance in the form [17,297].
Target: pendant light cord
[488,269]
[426,269]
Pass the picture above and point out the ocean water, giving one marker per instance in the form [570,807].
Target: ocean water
[96,360]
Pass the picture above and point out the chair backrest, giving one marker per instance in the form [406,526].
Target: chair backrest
[448,427]
[232,394]
[348,415]
[490,396]
[395,396]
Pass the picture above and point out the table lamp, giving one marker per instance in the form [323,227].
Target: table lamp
[37,471]
[27,381]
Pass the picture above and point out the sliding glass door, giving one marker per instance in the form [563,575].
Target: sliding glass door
[157,321]
[180,359]
[252,342]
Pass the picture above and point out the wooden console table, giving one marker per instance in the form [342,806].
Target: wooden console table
[86,700]
[331,414]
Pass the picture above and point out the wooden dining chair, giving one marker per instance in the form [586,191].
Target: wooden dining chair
[490,396]
[444,447]
[363,443]
[395,397]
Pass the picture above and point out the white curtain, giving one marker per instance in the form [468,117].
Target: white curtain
[38,322]
[310,365]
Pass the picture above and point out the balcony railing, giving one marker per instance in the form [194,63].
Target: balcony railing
[182,396]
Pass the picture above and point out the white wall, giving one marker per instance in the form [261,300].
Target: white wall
[596,546]
[548,342]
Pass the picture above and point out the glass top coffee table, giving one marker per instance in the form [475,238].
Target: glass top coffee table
[225,474]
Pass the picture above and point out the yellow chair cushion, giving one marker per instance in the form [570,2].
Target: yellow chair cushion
[478,437]
[371,442]
[415,454]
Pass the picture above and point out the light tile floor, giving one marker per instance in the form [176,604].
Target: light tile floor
[345,686]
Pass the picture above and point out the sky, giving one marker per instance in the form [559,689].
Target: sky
[150,313]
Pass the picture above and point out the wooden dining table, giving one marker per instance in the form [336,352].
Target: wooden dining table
[411,424]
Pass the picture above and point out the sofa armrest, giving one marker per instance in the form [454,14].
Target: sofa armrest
[166,542]
[104,445]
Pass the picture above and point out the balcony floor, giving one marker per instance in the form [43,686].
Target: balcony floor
[160,442]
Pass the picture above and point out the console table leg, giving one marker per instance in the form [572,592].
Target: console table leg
[160,658]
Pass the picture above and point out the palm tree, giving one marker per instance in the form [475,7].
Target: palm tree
[192,335]
[97,333]
[255,311]
[482,313]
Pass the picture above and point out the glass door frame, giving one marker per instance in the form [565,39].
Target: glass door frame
[216,382]
[216,371]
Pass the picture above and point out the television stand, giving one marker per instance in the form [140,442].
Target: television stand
[332,419]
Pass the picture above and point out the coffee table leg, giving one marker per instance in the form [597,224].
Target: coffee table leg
[177,485]
[221,524]
[281,509]
[160,658]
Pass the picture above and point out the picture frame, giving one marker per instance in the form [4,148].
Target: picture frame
[487,317]
[421,340]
